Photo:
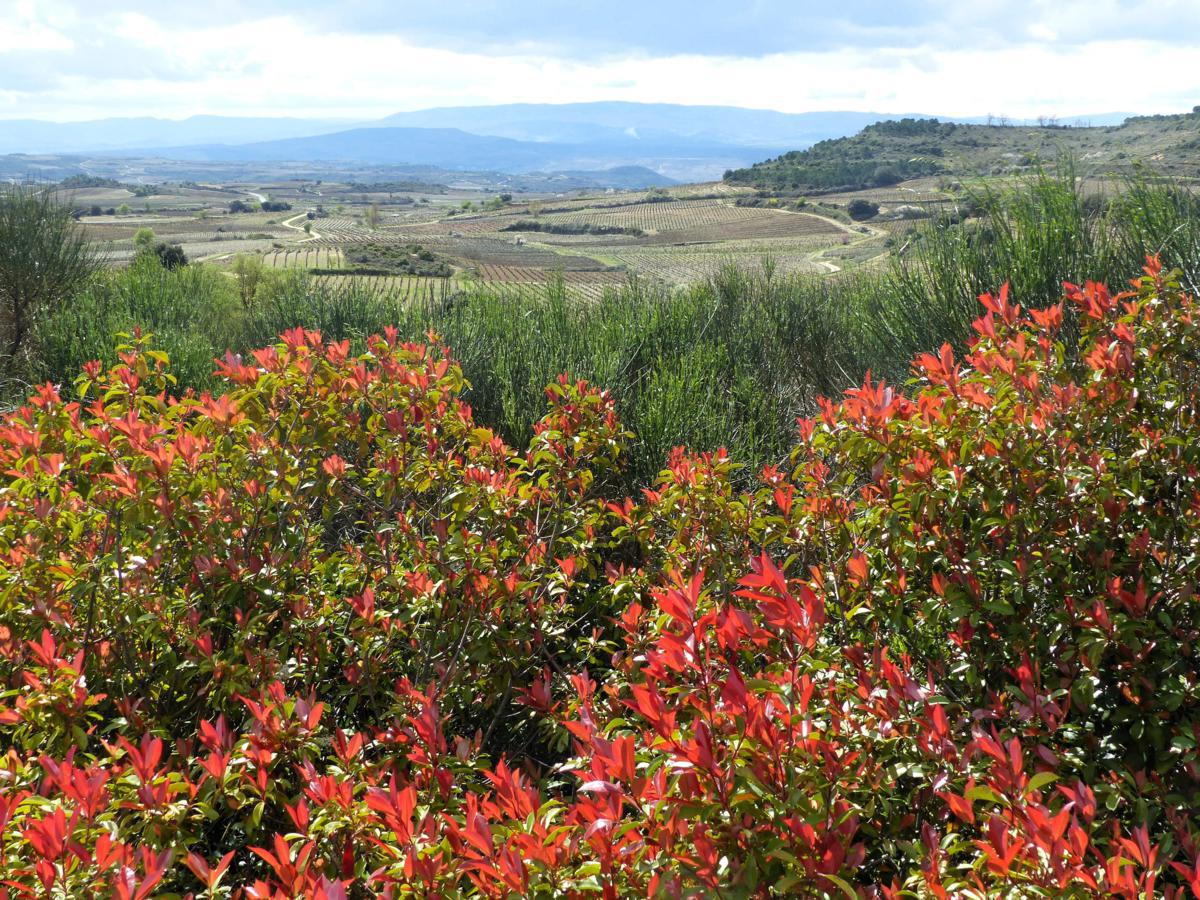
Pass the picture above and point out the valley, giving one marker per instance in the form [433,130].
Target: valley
[590,241]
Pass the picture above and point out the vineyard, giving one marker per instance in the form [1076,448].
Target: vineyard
[307,256]
[680,215]
[684,240]
[685,265]
[394,290]
[222,246]
[678,235]
[340,230]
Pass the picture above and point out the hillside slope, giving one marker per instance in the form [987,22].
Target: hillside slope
[892,151]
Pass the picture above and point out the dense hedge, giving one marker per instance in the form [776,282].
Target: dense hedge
[324,636]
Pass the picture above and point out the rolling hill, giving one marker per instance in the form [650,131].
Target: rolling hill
[888,152]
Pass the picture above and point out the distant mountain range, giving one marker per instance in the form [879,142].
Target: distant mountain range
[682,158]
[677,142]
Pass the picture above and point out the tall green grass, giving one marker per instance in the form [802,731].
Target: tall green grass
[192,310]
[730,362]
[1034,234]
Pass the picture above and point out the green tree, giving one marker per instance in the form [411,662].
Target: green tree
[170,255]
[861,209]
[123,209]
[44,259]
[371,216]
[143,240]
[248,269]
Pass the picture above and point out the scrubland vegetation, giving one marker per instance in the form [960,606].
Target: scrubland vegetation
[728,362]
[515,594]
[889,152]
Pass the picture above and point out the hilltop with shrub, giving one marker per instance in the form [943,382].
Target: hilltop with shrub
[889,152]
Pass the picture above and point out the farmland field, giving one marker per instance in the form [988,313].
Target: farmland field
[677,235]
[308,256]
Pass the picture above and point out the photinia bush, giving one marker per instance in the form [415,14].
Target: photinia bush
[324,636]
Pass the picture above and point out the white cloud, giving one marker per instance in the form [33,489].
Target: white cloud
[24,30]
[136,65]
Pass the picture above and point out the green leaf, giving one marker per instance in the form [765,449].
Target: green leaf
[844,885]
[982,792]
[1040,780]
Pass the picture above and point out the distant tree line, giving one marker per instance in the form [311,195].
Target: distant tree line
[396,187]
[241,206]
[79,182]
[570,228]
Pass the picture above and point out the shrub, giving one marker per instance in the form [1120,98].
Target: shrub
[248,270]
[170,256]
[948,649]
[909,211]
[44,259]
[143,239]
[860,209]
[396,259]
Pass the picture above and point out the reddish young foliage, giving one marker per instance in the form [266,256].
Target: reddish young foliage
[323,636]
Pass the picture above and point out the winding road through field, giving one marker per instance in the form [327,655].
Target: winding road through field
[287,223]
[858,236]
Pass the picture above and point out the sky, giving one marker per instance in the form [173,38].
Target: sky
[81,59]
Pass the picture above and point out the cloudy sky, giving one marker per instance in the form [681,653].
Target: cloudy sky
[79,59]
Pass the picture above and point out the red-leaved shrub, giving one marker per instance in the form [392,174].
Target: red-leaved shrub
[323,636]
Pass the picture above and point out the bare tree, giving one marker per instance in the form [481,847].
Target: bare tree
[44,259]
